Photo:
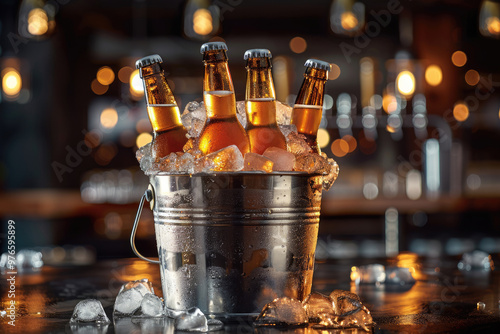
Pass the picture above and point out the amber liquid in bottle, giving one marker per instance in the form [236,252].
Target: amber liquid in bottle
[169,133]
[260,105]
[307,112]
[222,128]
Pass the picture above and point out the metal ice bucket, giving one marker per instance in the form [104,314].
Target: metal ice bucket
[229,243]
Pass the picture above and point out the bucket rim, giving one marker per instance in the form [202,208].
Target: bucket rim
[239,173]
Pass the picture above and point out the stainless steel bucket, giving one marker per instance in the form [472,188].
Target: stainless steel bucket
[229,243]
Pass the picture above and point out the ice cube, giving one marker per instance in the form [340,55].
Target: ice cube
[89,310]
[318,307]
[257,162]
[145,158]
[296,144]
[345,302]
[282,311]
[193,115]
[282,159]
[330,174]
[286,129]
[166,164]
[283,113]
[192,320]
[226,159]
[370,274]
[241,113]
[398,275]
[185,163]
[151,306]
[310,163]
[130,296]
[476,260]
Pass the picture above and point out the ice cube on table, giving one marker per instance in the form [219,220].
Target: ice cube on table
[282,312]
[28,258]
[151,306]
[257,162]
[476,260]
[370,274]
[344,301]
[130,296]
[296,144]
[227,159]
[398,275]
[241,113]
[89,310]
[318,307]
[283,113]
[282,159]
[192,320]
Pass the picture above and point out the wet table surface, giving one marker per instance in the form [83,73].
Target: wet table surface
[442,300]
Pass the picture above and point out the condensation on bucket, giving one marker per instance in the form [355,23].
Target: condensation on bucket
[229,243]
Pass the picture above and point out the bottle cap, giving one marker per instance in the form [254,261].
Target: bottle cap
[257,53]
[213,46]
[319,64]
[152,59]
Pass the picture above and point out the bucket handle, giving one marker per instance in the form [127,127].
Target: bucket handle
[148,195]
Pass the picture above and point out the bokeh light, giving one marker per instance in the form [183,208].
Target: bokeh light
[351,141]
[202,22]
[109,118]
[143,139]
[349,21]
[334,72]
[105,75]
[472,77]
[105,153]
[97,88]
[136,85]
[460,111]
[298,45]
[493,25]
[340,147]
[405,83]
[124,74]
[38,22]
[323,138]
[459,58]
[11,82]
[433,75]
[389,103]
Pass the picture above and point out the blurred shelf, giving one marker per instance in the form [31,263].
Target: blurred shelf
[52,203]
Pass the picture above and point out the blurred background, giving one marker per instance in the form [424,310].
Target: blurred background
[411,114]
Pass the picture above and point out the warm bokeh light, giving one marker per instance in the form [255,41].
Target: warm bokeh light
[124,74]
[349,21]
[97,88]
[38,22]
[334,72]
[459,58]
[11,82]
[136,84]
[493,25]
[340,147]
[405,83]
[472,77]
[323,138]
[460,111]
[105,75]
[105,153]
[351,141]
[433,75]
[202,22]
[109,118]
[143,125]
[143,139]
[389,103]
[298,45]
[390,128]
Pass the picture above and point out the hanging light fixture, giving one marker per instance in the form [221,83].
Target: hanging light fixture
[489,18]
[347,17]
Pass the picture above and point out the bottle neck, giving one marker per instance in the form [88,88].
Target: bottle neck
[162,108]
[259,83]
[217,76]
[312,90]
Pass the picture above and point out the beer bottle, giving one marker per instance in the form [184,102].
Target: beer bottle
[169,133]
[260,102]
[221,128]
[308,108]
